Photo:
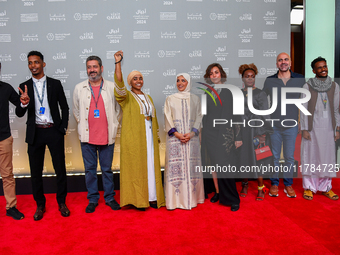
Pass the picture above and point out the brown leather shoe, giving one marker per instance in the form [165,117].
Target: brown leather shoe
[39,213]
[274,191]
[289,191]
[65,212]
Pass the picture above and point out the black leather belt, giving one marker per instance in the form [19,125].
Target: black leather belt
[49,125]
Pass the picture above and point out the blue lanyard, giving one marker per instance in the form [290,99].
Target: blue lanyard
[100,91]
[43,92]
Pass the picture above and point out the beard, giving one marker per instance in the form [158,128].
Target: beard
[95,78]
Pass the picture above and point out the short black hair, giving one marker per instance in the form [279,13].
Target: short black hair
[94,58]
[36,53]
[318,59]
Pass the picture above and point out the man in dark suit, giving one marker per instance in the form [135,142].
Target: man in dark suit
[45,126]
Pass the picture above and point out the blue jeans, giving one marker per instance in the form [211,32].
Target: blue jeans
[287,136]
[90,156]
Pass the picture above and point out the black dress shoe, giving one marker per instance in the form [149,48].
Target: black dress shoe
[91,207]
[39,213]
[153,205]
[114,205]
[234,208]
[215,198]
[65,212]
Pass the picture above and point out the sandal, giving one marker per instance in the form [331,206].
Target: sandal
[264,189]
[331,195]
[308,194]
[244,190]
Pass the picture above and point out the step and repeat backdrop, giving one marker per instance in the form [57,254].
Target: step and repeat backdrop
[159,38]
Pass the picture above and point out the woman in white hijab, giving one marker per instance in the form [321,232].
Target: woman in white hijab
[183,184]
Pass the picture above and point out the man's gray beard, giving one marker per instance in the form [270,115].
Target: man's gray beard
[96,78]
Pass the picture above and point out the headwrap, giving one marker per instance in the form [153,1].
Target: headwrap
[185,93]
[133,74]
[320,85]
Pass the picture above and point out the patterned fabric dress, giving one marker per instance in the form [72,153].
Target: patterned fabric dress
[183,184]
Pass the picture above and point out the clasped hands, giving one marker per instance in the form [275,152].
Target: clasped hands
[184,138]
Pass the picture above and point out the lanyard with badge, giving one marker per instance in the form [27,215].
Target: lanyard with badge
[96,113]
[41,109]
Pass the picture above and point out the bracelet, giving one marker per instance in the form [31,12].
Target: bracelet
[121,58]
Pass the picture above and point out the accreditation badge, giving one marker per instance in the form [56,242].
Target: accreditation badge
[42,110]
[96,113]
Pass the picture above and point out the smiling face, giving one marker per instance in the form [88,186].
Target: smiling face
[182,83]
[283,62]
[94,71]
[215,75]
[36,66]
[248,78]
[321,69]
[137,84]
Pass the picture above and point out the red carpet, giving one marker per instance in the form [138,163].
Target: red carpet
[279,225]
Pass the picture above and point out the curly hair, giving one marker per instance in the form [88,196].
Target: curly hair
[243,68]
[211,66]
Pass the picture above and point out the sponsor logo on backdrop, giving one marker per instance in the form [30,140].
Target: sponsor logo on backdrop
[169,90]
[245,53]
[270,1]
[113,16]
[269,35]
[221,35]
[86,36]
[67,93]
[85,53]
[70,130]
[141,35]
[29,17]
[5,57]
[196,72]
[15,151]
[84,16]
[57,17]
[57,37]
[246,35]
[221,53]
[168,15]
[270,18]
[219,16]
[3,19]
[68,150]
[168,53]
[60,74]
[28,2]
[142,54]
[146,90]
[141,17]
[69,166]
[195,54]
[194,16]
[110,74]
[7,77]
[146,73]
[83,75]
[268,71]
[193,35]
[169,72]
[57,0]
[244,1]
[11,111]
[114,36]
[269,53]
[110,54]
[246,16]
[23,57]
[226,70]
[168,35]
[60,56]
[220,0]
[30,38]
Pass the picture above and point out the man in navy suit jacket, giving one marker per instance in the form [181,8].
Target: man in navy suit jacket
[45,126]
